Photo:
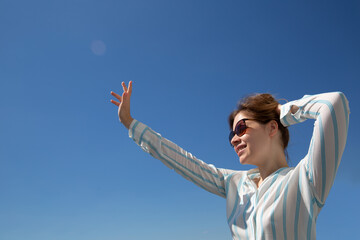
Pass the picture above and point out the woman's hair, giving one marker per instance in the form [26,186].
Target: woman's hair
[264,108]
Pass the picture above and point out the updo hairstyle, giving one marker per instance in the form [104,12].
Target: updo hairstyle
[264,108]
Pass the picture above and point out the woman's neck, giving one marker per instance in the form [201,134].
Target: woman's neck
[271,164]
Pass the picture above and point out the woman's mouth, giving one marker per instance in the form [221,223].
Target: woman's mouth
[240,149]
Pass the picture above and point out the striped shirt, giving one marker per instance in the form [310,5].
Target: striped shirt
[287,203]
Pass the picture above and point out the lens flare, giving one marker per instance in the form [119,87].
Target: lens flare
[98,47]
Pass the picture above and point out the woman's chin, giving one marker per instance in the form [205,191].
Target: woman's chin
[243,160]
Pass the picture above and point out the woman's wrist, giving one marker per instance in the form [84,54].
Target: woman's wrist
[294,109]
[127,122]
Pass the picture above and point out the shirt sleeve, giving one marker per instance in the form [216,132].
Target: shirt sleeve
[331,113]
[184,163]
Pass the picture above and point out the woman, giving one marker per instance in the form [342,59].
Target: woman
[273,201]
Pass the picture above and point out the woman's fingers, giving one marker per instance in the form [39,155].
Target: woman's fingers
[115,102]
[123,104]
[127,89]
[124,87]
[116,95]
[279,109]
[125,95]
[130,88]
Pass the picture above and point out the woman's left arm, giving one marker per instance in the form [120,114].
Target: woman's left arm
[331,112]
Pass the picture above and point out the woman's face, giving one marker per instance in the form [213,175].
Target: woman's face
[253,146]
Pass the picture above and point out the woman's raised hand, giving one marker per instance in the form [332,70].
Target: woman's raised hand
[124,104]
[279,109]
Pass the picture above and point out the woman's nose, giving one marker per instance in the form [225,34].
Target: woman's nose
[235,140]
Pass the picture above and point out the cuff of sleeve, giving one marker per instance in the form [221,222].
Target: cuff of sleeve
[131,127]
[137,131]
[286,117]
[284,111]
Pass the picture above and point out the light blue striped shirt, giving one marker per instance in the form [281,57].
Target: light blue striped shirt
[287,203]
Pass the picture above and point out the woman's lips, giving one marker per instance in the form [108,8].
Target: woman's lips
[240,149]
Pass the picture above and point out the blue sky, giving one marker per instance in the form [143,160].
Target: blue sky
[67,167]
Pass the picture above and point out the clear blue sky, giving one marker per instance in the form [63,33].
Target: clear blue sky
[68,170]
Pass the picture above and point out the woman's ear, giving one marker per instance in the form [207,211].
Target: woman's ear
[273,128]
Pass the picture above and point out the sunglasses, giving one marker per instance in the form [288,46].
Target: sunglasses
[240,129]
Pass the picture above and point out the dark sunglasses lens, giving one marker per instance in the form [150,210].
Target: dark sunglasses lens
[231,135]
[240,128]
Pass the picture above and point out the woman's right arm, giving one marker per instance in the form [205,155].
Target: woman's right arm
[204,175]
[184,163]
